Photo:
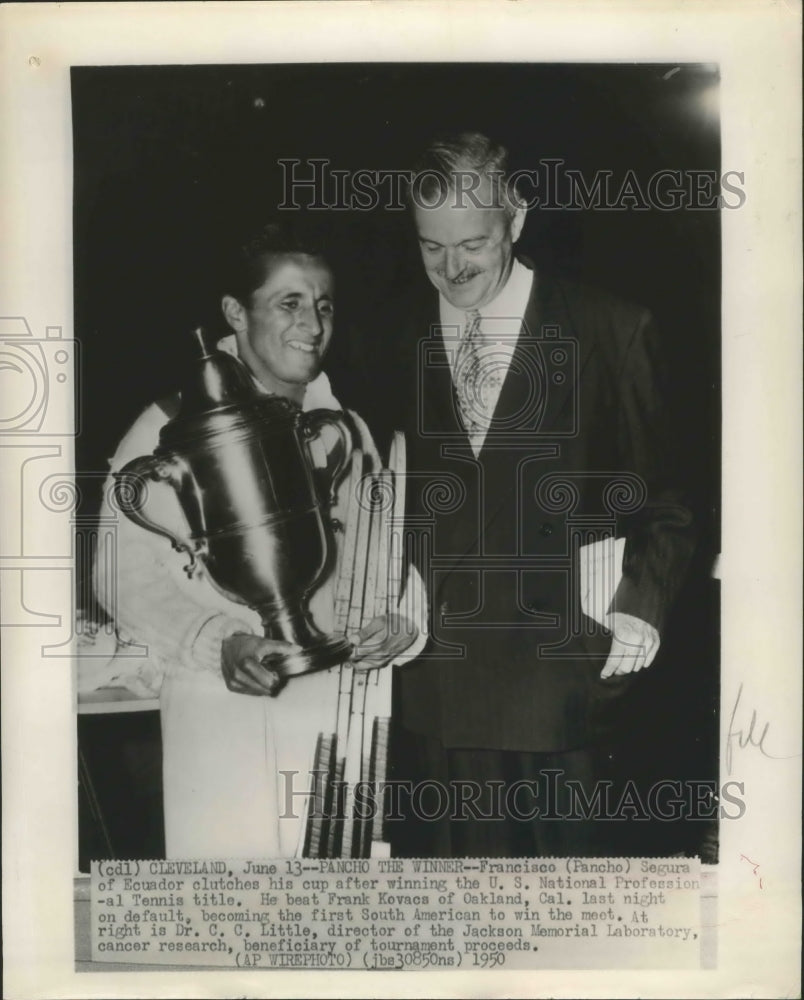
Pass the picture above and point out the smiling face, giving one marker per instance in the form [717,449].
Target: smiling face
[284,328]
[467,250]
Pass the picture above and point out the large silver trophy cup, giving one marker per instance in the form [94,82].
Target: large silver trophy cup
[240,465]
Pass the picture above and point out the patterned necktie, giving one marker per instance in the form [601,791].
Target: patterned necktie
[471,381]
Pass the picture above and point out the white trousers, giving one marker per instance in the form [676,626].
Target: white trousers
[236,768]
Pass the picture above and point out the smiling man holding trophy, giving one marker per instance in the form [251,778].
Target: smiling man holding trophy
[270,641]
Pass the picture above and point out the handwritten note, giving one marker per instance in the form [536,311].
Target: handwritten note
[748,731]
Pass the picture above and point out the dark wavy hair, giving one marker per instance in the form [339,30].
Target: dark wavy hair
[251,258]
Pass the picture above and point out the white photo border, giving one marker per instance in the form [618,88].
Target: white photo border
[757,46]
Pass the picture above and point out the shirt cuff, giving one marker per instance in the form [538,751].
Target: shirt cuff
[649,632]
[202,649]
[413,605]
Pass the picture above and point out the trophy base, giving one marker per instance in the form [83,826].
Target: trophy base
[321,655]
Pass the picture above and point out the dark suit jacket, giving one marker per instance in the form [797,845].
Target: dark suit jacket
[579,449]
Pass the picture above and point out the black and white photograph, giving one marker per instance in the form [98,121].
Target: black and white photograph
[587,200]
[404,484]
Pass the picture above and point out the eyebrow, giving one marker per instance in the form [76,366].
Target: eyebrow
[281,292]
[469,239]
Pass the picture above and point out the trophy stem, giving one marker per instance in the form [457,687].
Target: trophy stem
[318,651]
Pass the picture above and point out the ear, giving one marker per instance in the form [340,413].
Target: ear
[517,222]
[234,313]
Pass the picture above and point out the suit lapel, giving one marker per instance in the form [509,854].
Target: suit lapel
[540,380]
[438,413]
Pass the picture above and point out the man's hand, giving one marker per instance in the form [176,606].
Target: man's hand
[382,640]
[242,666]
[634,645]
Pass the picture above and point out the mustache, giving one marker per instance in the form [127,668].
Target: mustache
[463,276]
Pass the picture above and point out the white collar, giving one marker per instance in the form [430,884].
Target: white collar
[317,394]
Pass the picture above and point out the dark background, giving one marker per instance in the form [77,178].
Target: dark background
[170,161]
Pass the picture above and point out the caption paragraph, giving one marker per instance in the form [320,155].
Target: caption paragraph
[393,914]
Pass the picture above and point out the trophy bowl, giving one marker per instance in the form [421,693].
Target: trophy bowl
[240,465]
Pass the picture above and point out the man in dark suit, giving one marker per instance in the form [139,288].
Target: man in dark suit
[536,429]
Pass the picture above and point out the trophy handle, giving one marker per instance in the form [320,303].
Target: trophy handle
[312,421]
[129,485]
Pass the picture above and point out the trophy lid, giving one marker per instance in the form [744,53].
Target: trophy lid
[218,395]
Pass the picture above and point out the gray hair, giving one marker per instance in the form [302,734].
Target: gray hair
[456,165]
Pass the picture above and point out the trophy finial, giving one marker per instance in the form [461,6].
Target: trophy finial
[215,378]
[201,342]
